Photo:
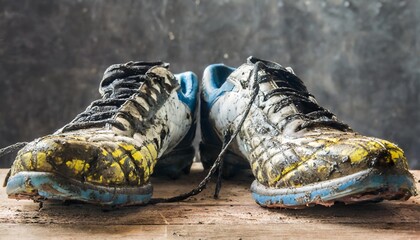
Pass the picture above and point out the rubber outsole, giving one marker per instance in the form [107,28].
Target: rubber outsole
[40,186]
[364,186]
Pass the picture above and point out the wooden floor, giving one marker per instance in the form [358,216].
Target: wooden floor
[234,216]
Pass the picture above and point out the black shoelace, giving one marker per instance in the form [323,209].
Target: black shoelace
[100,112]
[291,86]
[118,86]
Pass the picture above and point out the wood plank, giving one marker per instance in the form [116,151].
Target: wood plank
[80,231]
[234,215]
[269,231]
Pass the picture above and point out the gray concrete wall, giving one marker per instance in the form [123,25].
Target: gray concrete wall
[359,58]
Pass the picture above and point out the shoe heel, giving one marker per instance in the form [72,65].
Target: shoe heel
[232,163]
[176,163]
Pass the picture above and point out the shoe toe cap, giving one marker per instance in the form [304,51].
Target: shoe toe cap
[75,158]
[338,159]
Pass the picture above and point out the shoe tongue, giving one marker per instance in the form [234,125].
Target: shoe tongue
[253,60]
[279,76]
[245,74]
[130,70]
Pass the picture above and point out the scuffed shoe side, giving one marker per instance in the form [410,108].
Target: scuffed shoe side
[299,153]
[107,154]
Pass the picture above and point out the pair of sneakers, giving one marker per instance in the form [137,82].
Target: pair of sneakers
[259,116]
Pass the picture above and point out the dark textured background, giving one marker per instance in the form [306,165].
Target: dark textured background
[359,58]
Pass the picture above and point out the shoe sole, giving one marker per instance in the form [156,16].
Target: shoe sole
[370,185]
[41,186]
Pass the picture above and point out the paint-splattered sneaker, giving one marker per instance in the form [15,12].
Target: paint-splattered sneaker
[145,121]
[299,153]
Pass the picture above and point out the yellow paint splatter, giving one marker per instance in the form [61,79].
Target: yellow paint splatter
[122,160]
[137,156]
[41,159]
[26,160]
[152,150]
[291,167]
[117,153]
[285,171]
[118,175]
[41,162]
[358,155]
[373,145]
[127,147]
[77,165]
[105,152]
[146,158]
[94,179]
[396,155]
[86,168]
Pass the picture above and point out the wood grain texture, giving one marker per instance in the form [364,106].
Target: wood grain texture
[235,215]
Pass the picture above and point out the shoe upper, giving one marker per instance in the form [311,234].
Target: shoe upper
[144,113]
[288,139]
